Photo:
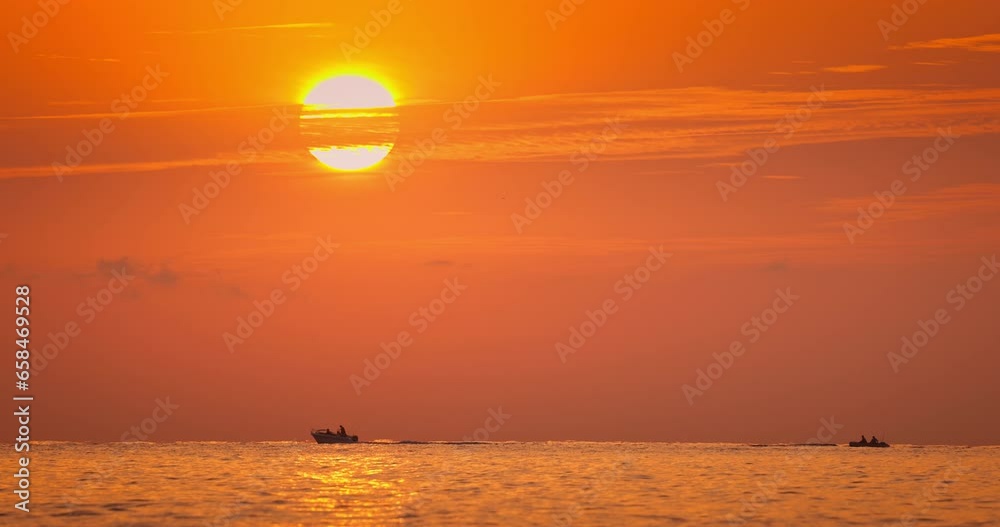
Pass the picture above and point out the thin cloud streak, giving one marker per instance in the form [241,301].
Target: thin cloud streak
[672,124]
[961,200]
[856,68]
[989,43]
[303,25]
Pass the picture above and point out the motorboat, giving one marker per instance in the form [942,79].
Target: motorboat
[326,435]
[868,444]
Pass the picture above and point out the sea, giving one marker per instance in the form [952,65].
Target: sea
[504,484]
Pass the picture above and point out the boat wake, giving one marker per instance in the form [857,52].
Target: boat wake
[793,444]
[411,442]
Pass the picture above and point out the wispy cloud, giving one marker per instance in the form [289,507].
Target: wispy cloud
[986,43]
[440,263]
[67,57]
[147,276]
[156,274]
[961,200]
[108,168]
[791,73]
[72,103]
[776,267]
[131,115]
[823,245]
[269,27]
[935,63]
[707,124]
[856,68]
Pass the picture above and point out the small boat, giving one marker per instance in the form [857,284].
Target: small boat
[328,436]
[880,444]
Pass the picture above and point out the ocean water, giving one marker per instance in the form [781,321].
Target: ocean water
[552,484]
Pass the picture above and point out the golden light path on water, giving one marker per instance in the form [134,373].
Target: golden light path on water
[582,484]
[348,119]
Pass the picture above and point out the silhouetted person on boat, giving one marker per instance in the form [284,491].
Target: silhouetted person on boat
[863,440]
[874,440]
[342,432]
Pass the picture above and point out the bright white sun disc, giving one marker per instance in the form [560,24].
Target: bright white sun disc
[350,92]
[356,139]
[351,158]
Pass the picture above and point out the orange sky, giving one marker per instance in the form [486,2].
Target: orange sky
[617,111]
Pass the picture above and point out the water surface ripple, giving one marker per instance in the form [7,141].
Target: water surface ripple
[463,484]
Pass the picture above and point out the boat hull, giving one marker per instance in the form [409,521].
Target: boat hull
[324,438]
[858,444]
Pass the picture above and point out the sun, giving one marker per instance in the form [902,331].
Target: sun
[350,92]
[350,122]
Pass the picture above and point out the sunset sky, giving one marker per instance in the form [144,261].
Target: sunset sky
[628,128]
